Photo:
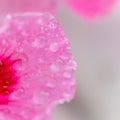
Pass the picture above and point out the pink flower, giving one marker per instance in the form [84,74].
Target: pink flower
[36,67]
[92,9]
[13,6]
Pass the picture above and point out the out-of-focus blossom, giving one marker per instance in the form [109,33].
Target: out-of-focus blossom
[92,9]
[13,6]
[36,67]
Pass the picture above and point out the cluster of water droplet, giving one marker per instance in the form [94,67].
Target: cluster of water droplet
[45,68]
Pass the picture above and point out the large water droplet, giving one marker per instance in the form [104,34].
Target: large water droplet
[67,74]
[52,26]
[57,65]
[39,42]
[18,93]
[41,97]
[54,47]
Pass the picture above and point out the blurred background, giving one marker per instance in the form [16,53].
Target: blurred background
[96,48]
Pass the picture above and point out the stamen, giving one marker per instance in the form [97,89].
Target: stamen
[8,78]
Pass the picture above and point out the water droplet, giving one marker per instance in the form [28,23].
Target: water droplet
[67,94]
[51,83]
[22,59]
[54,47]
[21,56]
[36,43]
[39,42]
[18,93]
[67,74]
[41,97]
[61,101]
[54,68]
[66,55]
[57,65]
[52,25]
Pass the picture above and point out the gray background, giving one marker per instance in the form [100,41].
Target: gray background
[96,48]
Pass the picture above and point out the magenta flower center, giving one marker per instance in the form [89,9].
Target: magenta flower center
[8,78]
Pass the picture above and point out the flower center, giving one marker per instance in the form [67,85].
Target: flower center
[8,78]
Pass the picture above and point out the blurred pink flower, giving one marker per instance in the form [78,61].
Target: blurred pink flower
[13,6]
[36,67]
[91,9]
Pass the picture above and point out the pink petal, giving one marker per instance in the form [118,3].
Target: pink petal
[13,6]
[92,9]
[44,67]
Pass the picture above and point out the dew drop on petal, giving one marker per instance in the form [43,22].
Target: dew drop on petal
[18,93]
[67,74]
[40,97]
[54,47]
[39,42]
[52,26]
[54,68]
